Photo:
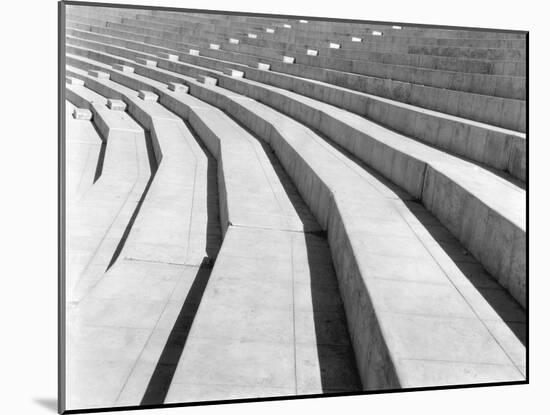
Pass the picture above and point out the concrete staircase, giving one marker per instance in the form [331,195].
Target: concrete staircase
[312,207]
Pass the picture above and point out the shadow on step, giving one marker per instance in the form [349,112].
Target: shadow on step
[338,369]
[153,169]
[213,225]
[497,298]
[501,302]
[161,378]
[336,359]
[100,161]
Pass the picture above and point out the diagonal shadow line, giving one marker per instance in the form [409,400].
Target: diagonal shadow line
[153,167]
[503,304]
[507,308]
[100,161]
[213,225]
[102,150]
[162,376]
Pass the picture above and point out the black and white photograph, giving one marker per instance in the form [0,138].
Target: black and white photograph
[267,206]
[276,208]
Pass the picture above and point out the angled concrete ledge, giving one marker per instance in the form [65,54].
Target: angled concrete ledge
[148,96]
[169,56]
[116,104]
[82,114]
[148,62]
[74,81]
[98,74]
[233,72]
[207,80]
[177,87]
[123,68]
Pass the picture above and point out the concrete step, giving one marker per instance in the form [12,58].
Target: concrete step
[427,174]
[477,192]
[108,122]
[494,147]
[505,113]
[356,48]
[484,39]
[156,267]
[365,52]
[116,177]
[382,55]
[341,27]
[270,323]
[237,147]
[320,198]
[497,85]
[82,150]
[484,55]
[388,33]
[335,170]
[234,148]
[174,159]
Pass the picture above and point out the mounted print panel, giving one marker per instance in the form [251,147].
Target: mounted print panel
[277,206]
